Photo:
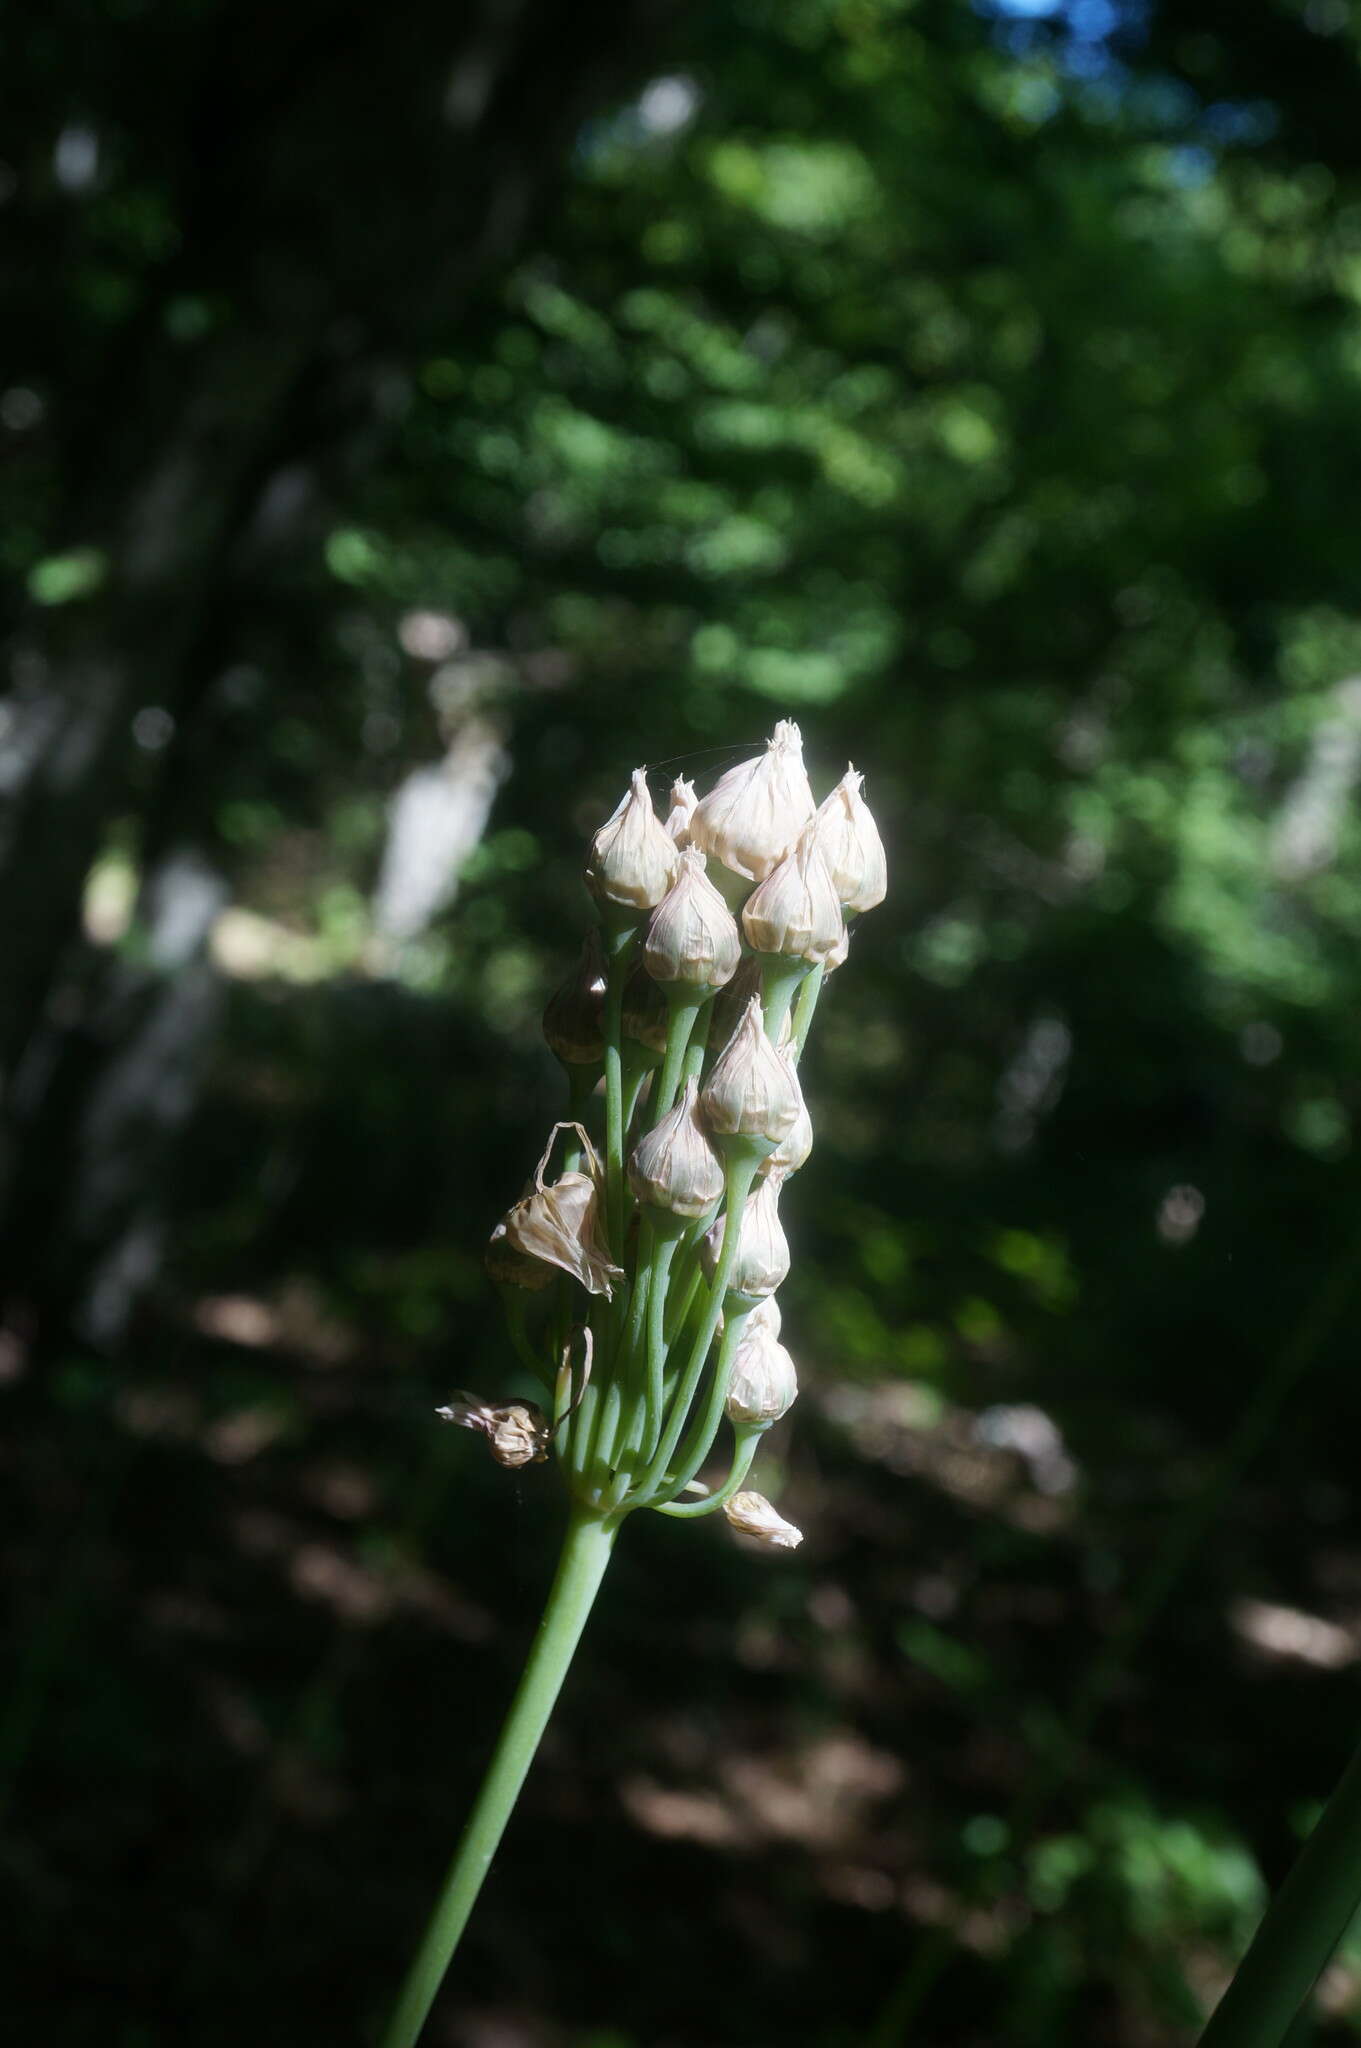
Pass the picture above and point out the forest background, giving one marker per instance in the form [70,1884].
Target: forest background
[413,419]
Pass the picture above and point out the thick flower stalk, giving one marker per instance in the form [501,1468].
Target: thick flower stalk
[639,1276]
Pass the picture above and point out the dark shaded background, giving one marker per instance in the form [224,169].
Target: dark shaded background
[413,418]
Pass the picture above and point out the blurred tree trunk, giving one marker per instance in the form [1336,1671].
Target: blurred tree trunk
[339,177]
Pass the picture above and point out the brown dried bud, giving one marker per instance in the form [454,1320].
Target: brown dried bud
[573,1019]
[561,1223]
[752,1515]
[761,1261]
[850,843]
[754,813]
[796,910]
[674,1166]
[512,1268]
[517,1433]
[632,862]
[645,1015]
[751,1089]
[764,1384]
[681,811]
[692,936]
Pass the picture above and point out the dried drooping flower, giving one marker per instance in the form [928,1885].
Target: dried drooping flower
[754,813]
[692,935]
[751,1090]
[761,1261]
[517,1432]
[849,840]
[674,1166]
[633,860]
[573,1018]
[763,1385]
[510,1267]
[796,910]
[681,811]
[561,1223]
[752,1515]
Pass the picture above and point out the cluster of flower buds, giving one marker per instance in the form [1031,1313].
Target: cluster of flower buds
[682,1025]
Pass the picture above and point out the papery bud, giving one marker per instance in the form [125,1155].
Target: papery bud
[763,1385]
[751,1089]
[761,1261]
[632,862]
[692,936]
[850,844]
[517,1432]
[796,910]
[561,1224]
[573,1018]
[752,1515]
[754,813]
[681,811]
[645,1015]
[794,1147]
[674,1166]
[765,1316]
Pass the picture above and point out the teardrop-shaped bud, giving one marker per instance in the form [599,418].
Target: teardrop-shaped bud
[681,812]
[797,1143]
[645,1015]
[850,844]
[751,1090]
[754,813]
[761,1261]
[633,861]
[796,910]
[674,1166]
[692,936]
[574,1016]
[763,1384]
[752,1515]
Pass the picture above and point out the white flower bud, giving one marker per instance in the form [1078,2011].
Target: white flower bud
[751,1090]
[796,910]
[674,1166]
[681,811]
[561,1224]
[849,840]
[754,813]
[765,1316]
[761,1261]
[633,862]
[573,1019]
[794,1147]
[692,936]
[752,1515]
[517,1432]
[764,1384]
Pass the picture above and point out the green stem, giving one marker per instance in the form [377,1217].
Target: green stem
[699,1439]
[699,1042]
[617,947]
[1303,1925]
[581,1567]
[780,978]
[744,1452]
[685,1004]
[804,1008]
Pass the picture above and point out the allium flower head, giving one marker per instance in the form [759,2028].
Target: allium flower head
[674,1166]
[633,860]
[692,935]
[850,844]
[751,1089]
[754,813]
